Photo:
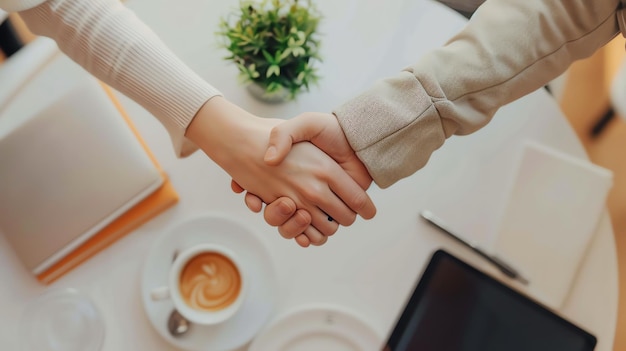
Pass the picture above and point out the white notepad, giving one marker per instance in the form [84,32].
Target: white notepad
[69,163]
[551,214]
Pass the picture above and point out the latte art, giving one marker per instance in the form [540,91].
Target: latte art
[210,282]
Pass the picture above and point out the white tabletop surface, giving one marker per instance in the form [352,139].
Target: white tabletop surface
[371,266]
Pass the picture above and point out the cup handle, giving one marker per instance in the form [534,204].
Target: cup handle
[160,293]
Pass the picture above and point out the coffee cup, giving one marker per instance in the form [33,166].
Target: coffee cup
[206,284]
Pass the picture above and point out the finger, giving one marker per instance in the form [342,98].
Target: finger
[254,203]
[279,211]
[324,223]
[315,237]
[352,194]
[321,195]
[295,225]
[236,187]
[303,240]
[284,135]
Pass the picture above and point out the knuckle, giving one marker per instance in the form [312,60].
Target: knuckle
[302,219]
[313,193]
[275,133]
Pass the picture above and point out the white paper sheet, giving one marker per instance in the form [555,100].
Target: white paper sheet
[554,205]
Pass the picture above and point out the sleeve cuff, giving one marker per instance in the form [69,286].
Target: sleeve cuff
[393,127]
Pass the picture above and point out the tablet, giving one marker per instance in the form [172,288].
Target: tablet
[456,307]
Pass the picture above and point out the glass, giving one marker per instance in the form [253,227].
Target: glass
[62,320]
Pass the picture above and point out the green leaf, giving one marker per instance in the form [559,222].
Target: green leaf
[273,88]
[298,51]
[301,38]
[274,69]
[300,77]
[285,54]
[278,57]
[268,57]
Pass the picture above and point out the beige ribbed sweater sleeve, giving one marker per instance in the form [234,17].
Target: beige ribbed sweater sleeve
[110,42]
[508,49]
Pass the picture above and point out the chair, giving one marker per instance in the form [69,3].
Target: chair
[10,42]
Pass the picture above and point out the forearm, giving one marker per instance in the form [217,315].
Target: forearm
[222,129]
[509,49]
[110,42]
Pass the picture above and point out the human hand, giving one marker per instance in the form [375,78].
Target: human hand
[282,213]
[236,141]
[324,131]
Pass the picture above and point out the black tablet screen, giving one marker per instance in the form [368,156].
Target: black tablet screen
[455,307]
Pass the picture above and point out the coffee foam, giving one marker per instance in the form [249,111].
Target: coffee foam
[210,282]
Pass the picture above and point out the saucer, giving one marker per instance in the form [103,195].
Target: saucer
[256,262]
[318,327]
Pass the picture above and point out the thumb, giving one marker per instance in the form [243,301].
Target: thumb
[300,128]
[355,168]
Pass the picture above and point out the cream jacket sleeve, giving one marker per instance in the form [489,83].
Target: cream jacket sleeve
[508,49]
[110,42]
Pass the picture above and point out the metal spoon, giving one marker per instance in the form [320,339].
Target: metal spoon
[176,323]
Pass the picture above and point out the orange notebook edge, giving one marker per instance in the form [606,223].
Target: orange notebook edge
[161,199]
[131,125]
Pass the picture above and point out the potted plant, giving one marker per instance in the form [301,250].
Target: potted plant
[275,46]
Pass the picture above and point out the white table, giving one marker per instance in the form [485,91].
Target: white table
[371,266]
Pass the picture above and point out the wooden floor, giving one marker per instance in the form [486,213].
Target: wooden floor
[584,99]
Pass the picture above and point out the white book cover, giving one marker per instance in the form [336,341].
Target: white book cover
[70,164]
[553,208]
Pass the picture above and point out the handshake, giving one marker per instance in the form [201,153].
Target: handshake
[304,169]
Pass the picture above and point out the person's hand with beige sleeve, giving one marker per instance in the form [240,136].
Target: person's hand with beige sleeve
[508,49]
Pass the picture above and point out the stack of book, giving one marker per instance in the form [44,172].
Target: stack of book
[75,175]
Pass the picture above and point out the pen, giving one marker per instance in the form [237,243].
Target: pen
[504,267]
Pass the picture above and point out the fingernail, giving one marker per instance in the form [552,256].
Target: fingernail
[270,153]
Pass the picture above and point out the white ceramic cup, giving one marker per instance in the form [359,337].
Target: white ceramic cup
[172,290]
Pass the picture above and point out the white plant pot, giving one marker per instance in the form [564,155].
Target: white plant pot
[259,93]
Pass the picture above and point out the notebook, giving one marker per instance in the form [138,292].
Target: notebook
[160,200]
[553,208]
[75,175]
